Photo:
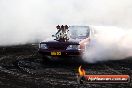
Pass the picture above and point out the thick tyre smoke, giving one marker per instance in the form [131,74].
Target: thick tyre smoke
[109,43]
[26,21]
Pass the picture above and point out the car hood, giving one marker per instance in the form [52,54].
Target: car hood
[57,45]
[70,41]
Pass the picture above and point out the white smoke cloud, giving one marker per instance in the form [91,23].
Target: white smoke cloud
[109,43]
[23,21]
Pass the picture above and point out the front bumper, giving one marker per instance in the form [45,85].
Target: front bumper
[63,52]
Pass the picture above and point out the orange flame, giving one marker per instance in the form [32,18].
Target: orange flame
[81,71]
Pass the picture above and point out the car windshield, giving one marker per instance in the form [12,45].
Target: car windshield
[79,32]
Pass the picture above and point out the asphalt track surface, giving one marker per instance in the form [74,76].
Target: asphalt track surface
[22,67]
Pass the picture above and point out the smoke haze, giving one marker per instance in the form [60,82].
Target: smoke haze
[109,43]
[25,21]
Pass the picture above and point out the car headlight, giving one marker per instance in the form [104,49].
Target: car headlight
[73,47]
[43,46]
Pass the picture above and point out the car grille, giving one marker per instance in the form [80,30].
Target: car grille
[57,47]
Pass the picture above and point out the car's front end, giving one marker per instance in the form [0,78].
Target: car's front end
[55,48]
[68,42]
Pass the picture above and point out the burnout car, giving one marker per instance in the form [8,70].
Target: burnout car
[68,41]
